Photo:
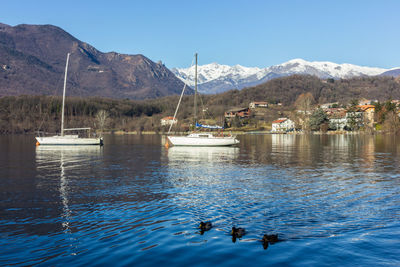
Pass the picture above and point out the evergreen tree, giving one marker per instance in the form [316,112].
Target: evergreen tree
[317,118]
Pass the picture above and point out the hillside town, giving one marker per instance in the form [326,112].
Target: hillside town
[359,115]
[364,115]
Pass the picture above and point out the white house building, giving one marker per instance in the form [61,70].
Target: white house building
[282,125]
[258,105]
[168,121]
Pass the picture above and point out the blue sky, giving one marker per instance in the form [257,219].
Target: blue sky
[250,33]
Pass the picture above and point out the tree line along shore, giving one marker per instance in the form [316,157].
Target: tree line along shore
[297,97]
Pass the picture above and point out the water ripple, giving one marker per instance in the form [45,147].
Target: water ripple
[332,200]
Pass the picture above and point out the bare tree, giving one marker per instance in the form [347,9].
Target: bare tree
[304,104]
[101,118]
[392,122]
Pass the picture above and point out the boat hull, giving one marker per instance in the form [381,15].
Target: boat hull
[68,140]
[199,141]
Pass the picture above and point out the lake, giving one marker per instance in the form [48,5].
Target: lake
[332,200]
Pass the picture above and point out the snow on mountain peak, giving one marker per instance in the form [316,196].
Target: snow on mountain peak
[295,60]
[330,69]
[214,77]
[213,71]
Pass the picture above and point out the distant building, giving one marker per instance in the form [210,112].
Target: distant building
[329,105]
[304,112]
[355,118]
[338,123]
[258,105]
[363,115]
[168,121]
[337,118]
[395,101]
[369,114]
[335,112]
[238,112]
[282,125]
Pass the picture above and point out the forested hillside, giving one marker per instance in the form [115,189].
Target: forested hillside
[287,89]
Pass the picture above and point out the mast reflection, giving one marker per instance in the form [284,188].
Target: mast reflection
[58,161]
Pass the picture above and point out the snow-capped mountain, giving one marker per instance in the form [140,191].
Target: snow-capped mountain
[215,78]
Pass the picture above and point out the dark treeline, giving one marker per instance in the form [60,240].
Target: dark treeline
[27,114]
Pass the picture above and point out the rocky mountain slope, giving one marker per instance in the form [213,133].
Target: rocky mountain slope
[215,78]
[32,61]
[392,72]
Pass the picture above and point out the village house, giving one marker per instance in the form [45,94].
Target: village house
[304,112]
[338,123]
[396,102]
[168,121]
[258,105]
[368,114]
[337,118]
[354,119]
[335,112]
[238,112]
[282,125]
[340,119]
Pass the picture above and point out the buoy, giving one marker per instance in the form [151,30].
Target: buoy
[37,143]
[167,145]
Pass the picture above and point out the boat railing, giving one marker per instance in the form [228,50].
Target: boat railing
[46,134]
[88,129]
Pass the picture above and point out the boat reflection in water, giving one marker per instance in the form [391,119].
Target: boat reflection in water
[63,162]
[202,154]
[200,178]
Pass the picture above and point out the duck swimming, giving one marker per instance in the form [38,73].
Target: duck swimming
[238,232]
[205,226]
[265,244]
[270,238]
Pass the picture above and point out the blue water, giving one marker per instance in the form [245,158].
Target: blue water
[332,200]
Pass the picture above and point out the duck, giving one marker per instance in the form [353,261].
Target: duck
[270,239]
[265,244]
[238,232]
[205,226]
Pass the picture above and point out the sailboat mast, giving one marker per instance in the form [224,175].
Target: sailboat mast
[195,91]
[63,101]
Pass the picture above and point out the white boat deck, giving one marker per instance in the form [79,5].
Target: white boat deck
[202,139]
[68,140]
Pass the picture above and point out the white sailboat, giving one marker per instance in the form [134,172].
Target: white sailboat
[64,139]
[200,138]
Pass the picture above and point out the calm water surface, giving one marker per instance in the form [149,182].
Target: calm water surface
[333,200]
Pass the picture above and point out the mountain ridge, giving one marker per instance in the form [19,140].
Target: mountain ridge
[216,78]
[395,72]
[32,60]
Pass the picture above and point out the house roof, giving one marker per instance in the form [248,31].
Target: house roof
[237,109]
[365,107]
[259,102]
[279,121]
[168,118]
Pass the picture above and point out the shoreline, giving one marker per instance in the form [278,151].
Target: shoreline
[234,132]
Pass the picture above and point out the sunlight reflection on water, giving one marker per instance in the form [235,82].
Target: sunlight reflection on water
[331,199]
